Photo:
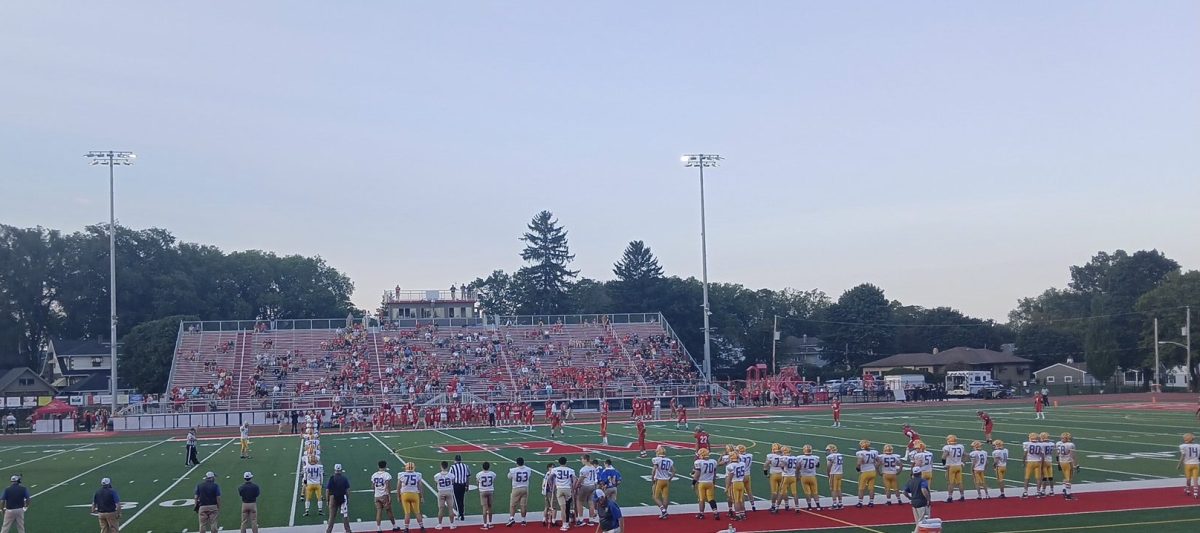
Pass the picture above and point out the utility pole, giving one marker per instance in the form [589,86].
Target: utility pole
[774,342]
[1157,383]
[1187,335]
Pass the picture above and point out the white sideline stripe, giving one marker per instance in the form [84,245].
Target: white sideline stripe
[1021,460]
[296,487]
[172,485]
[397,456]
[685,511]
[42,457]
[506,460]
[93,469]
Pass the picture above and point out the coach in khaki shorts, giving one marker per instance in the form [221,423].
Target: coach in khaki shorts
[208,503]
[249,493]
[107,506]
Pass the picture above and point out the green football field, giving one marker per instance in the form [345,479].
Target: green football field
[1116,444]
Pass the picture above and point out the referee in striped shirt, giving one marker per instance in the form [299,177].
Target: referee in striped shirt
[462,476]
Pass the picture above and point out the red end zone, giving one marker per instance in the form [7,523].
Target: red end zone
[1143,406]
[881,515]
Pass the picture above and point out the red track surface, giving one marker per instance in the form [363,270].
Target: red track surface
[881,515]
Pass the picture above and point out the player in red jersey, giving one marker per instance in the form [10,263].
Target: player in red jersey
[528,418]
[604,427]
[701,439]
[1038,404]
[681,417]
[912,435]
[987,425]
[837,413]
[641,430]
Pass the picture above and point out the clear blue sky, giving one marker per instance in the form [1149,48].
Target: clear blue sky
[954,154]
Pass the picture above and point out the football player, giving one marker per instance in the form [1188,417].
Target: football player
[808,463]
[833,470]
[1047,462]
[913,437]
[704,475]
[1000,463]
[410,495]
[979,459]
[924,467]
[245,433]
[664,472]
[889,466]
[747,460]
[867,459]
[788,479]
[701,439]
[952,458]
[1189,462]
[1065,453]
[773,468]
[837,412]
[987,425]
[1033,463]
[314,477]
[735,475]
[444,481]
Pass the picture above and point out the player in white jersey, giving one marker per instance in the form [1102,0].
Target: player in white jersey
[664,472]
[314,477]
[564,487]
[586,482]
[952,457]
[704,475]
[807,465]
[787,484]
[1047,462]
[866,461]
[410,495]
[747,460]
[979,459]
[486,480]
[381,483]
[1189,462]
[834,470]
[1064,451]
[1000,463]
[444,481]
[773,469]
[735,478]
[922,462]
[889,467]
[1033,463]
[519,497]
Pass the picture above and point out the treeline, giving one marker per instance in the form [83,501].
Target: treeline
[1104,316]
[861,325]
[55,284]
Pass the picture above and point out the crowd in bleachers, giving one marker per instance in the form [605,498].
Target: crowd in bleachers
[659,358]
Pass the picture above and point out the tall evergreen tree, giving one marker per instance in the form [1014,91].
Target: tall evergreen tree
[637,264]
[545,280]
[637,273]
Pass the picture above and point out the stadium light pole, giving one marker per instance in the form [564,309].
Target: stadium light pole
[700,161]
[112,159]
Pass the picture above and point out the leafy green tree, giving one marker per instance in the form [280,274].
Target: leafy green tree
[498,293]
[147,352]
[588,296]
[31,274]
[1046,343]
[1101,348]
[944,328]
[856,333]
[545,280]
[1167,302]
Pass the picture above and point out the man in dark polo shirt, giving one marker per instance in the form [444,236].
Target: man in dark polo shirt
[249,493]
[208,503]
[107,506]
[338,489]
[15,501]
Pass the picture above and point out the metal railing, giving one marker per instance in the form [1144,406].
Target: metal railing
[394,296]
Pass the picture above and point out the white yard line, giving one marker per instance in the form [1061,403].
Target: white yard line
[172,485]
[296,487]
[93,469]
[506,459]
[397,456]
[42,457]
